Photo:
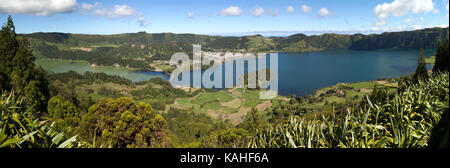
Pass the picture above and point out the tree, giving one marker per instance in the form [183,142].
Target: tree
[227,138]
[63,113]
[4,80]
[421,71]
[18,72]
[253,121]
[442,58]
[123,123]
[8,48]
[421,74]
[379,94]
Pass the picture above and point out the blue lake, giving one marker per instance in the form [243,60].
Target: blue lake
[303,73]
[299,73]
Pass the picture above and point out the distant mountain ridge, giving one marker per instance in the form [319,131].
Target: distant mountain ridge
[424,38]
[131,49]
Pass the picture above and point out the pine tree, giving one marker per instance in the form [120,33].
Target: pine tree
[18,72]
[421,71]
[442,58]
[8,49]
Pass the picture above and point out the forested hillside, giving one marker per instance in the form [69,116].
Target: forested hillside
[425,38]
[136,50]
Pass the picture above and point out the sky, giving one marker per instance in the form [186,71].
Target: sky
[224,17]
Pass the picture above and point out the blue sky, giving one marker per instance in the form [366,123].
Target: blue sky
[224,17]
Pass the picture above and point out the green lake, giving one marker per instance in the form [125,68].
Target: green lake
[59,66]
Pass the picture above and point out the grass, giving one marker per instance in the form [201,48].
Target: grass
[351,92]
[184,102]
[207,97]
[213,106]
[227,110]
[231,104]
[430,60]
[363,85]
[334,99]
[251,98]
[162,66]
[167,68]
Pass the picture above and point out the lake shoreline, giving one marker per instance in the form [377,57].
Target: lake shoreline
[81,66]
[300,73]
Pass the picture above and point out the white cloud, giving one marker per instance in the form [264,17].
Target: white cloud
[37,7]
[375,29]
[380,22]
[442,26]
[306,9]
[405,28]
[273,12]
[402,7]
[290,9]
[410,19]
[395,29]
[123,10]
[87,6]
[142,22]
[117,12]
[232,11]
[258,11]
[323,12]
[415,27]
[190,15]
[422,18]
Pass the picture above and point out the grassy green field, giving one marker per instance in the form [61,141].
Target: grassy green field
[161,66]
[232,104]
[342,92]
[430,60]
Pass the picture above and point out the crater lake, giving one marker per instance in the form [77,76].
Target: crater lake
[299,73]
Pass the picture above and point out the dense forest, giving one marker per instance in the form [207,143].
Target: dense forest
[138,50]
[95,110]
[425,38]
